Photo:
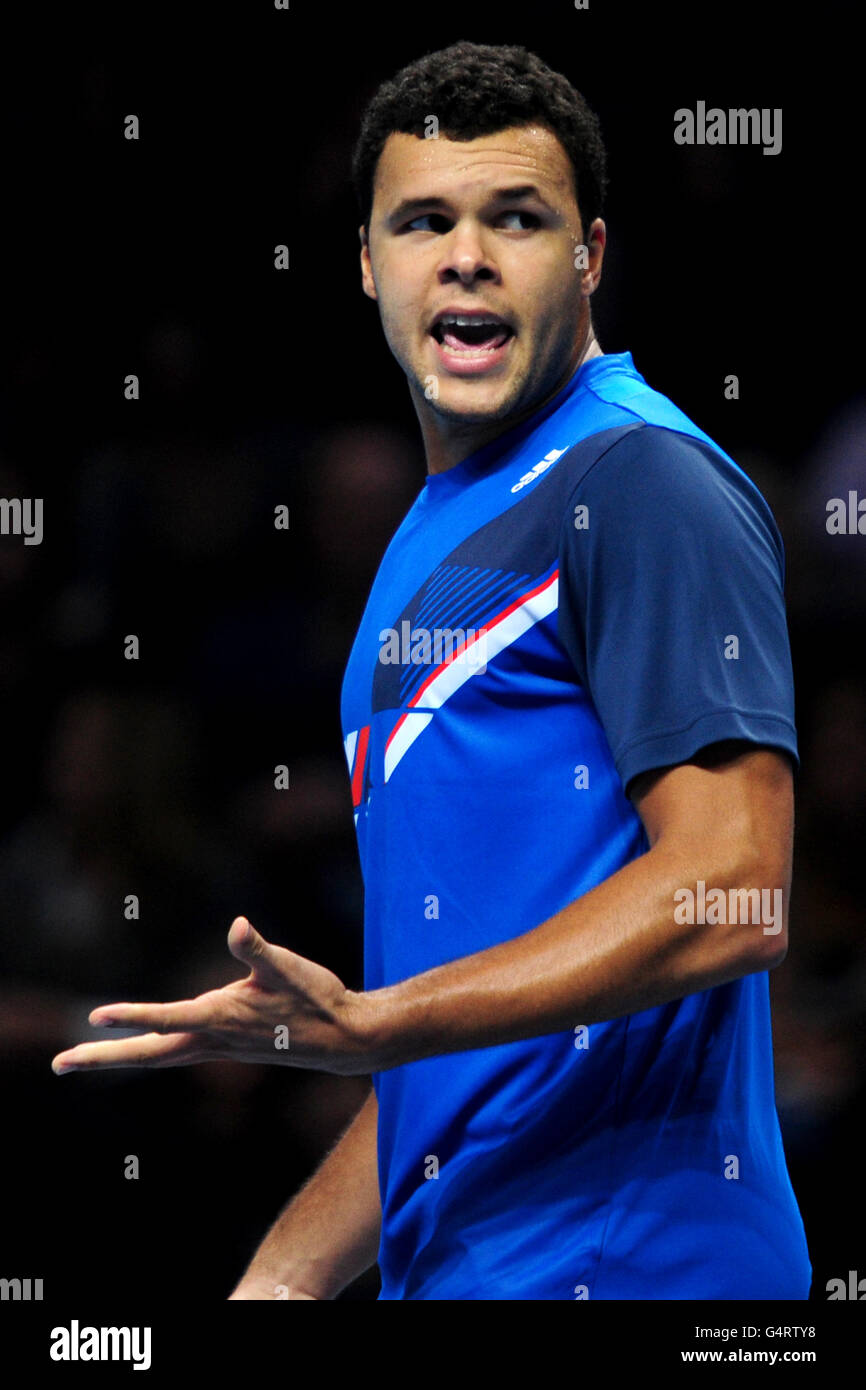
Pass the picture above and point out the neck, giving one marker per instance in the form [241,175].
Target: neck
[447,442]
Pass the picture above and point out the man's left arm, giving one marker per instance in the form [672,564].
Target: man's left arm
[724,818]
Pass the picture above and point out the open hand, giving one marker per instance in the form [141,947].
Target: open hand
[288,1010]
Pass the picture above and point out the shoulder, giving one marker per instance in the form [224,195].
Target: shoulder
[654,476]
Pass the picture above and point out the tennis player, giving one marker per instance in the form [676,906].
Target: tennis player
[568,722]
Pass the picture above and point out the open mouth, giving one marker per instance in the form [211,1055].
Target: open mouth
[471,333]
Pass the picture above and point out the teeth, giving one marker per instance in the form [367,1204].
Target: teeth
[468,321]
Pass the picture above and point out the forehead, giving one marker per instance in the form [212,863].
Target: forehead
[411,167]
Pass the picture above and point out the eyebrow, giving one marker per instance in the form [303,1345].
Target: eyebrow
[501,195]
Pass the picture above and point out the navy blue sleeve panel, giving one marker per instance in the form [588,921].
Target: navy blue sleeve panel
[671,606]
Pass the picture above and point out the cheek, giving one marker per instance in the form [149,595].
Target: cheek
[551,285]
[402,306]
[557,308]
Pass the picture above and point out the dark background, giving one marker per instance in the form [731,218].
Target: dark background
[261,387]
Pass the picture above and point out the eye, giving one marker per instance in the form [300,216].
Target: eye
[442,223]
[528,217]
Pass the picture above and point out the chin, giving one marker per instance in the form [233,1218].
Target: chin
[473,412]
[476,396]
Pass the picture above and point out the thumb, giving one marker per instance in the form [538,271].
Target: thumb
[249,947]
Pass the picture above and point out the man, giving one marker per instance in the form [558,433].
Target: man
[568,718]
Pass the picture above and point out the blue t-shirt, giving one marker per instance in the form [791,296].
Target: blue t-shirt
[612,584]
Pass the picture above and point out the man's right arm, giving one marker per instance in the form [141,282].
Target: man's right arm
[328,1235]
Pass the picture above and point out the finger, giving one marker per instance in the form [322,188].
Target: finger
[149,1050]
[248,946]
[187,1015]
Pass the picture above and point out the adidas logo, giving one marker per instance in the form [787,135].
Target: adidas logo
[538,469]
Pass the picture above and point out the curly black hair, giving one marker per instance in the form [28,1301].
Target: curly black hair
[478,89]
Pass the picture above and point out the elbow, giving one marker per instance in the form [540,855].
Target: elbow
[741,901]
[774,953]
[759,899]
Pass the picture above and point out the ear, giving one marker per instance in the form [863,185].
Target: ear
[367,281]
[595,245]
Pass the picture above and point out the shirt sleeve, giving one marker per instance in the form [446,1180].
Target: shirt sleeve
[671,602]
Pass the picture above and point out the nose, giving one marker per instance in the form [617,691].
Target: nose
[465,256]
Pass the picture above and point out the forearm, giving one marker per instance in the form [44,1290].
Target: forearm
[328,1235]
[614,951]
